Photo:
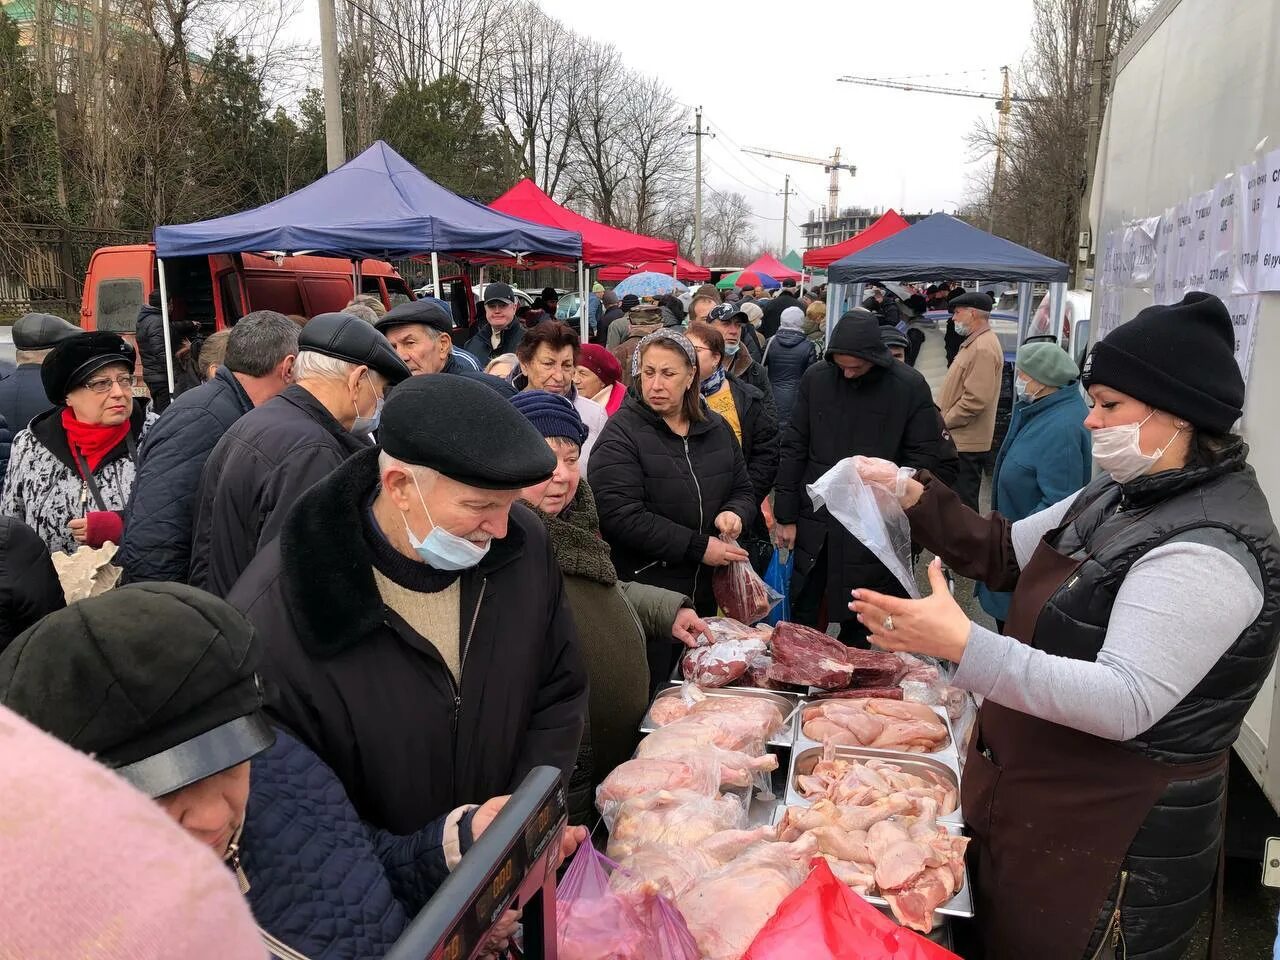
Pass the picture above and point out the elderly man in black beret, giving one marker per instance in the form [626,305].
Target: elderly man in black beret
[265,461]
[22,396]
[418,638]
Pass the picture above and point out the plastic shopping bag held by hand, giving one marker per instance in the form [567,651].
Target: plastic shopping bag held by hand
[740,592]
[825,920]
[778,578]
[595,922]
[862,493]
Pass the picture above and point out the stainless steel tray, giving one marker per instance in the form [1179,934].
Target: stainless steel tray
[803,760]
[961,905]
[788,704]
[947,755]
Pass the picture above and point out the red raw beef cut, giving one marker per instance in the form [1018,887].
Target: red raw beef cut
[875,668]
[803,655]
[860,693]
[720,663]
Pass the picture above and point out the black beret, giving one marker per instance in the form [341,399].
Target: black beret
[344,337]
[428,311]
[158,680]
[1179,358]
[979,301]
[502,388]
[75,359]
[465,430]
[41,331]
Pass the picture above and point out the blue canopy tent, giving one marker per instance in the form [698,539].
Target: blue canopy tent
[941,247]
[376,205]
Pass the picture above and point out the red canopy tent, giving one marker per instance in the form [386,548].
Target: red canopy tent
[601,244]
[686,272]
[883,228]
[771,266]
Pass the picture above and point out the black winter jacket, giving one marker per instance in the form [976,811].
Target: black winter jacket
[481,347]
[158,520]
[374,699]
[888,413]
[772,318]
[149,333]
[29,586]
[789,354]
[760,439]
[22,397]
[659,494]
[749,371]
[256,472]
[320,879]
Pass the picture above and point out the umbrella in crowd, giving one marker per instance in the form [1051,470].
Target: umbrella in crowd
[650,285]
[748,278]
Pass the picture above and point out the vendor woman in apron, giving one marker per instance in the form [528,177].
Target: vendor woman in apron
[1144,620]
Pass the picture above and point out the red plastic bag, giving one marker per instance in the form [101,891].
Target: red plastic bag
[741,593]
[593,922]
[825,920]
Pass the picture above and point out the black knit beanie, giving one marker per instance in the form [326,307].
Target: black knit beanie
[1179,358]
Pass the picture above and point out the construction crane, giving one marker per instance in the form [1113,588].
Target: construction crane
[831,165]
[1004,105]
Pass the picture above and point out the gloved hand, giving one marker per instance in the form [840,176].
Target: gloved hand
[884,473]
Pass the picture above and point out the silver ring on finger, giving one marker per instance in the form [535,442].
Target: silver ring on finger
[888,622]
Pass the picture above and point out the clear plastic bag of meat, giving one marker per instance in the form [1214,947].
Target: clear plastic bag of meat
[725,628]
[721,663]
[595,922]
[740,591]
[834,923]
[676,818]
[871,513]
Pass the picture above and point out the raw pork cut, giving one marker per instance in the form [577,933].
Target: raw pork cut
[805,656]
[726,908]
[878,723]
[720,663]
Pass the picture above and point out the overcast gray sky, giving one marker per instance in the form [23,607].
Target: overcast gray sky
[765,75]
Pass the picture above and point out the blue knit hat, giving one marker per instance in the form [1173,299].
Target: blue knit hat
[551,415]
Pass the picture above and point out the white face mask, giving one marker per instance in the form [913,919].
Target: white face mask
[1117,451]
[962,329]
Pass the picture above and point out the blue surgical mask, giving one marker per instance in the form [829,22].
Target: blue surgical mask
[731,349]
[364,426]
[442,549]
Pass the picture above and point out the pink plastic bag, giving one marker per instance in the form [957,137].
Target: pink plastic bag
[593,922]
[825,920]
[741,593]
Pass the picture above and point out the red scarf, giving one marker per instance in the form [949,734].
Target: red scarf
[92,441]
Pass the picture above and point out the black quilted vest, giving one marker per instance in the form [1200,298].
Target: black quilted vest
[1171,861]
[1112,526]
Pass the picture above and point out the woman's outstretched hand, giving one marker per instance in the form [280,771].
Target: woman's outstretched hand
[934,626]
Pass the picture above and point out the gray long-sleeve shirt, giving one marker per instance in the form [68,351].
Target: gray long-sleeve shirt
[1178,610]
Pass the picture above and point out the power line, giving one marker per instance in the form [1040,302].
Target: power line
[764,166]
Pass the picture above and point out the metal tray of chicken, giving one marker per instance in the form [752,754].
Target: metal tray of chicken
[803,760]
[961,905]
[788,705]
[947,754]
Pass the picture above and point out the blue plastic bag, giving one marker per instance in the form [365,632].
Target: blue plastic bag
[778,577]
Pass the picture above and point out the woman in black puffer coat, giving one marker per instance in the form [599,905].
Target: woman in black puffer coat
[669,476]
[789,354]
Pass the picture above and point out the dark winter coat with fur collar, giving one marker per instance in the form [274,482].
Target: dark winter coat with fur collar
[374,699]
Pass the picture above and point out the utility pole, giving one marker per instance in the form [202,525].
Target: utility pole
[787,194]
[697,133]
[334,142]
[1002,131]
[1094,129]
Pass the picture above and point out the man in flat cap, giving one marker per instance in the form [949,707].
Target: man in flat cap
[22,395]
[972,390]
[499,333]
[422,333]
[276,451]
[418,637]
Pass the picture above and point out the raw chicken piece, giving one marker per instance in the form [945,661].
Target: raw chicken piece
[878,723]
[849,781]
[667,710]
[673,870]
[855,876]
[698,773]
[755,714]
[678,818]
[726,908]
[730,722]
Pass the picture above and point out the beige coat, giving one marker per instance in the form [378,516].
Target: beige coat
[971,391]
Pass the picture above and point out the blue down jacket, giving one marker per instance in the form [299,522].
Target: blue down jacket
[321,880]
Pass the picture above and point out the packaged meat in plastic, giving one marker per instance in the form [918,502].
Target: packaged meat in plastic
[676,817]
[726,628]
[720,663]
[595,922]
[741,593]
[673,870]
[834,923]
[696,772]
[808,657]
[870,512]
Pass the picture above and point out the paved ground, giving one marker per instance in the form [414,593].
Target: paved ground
[1250,908]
